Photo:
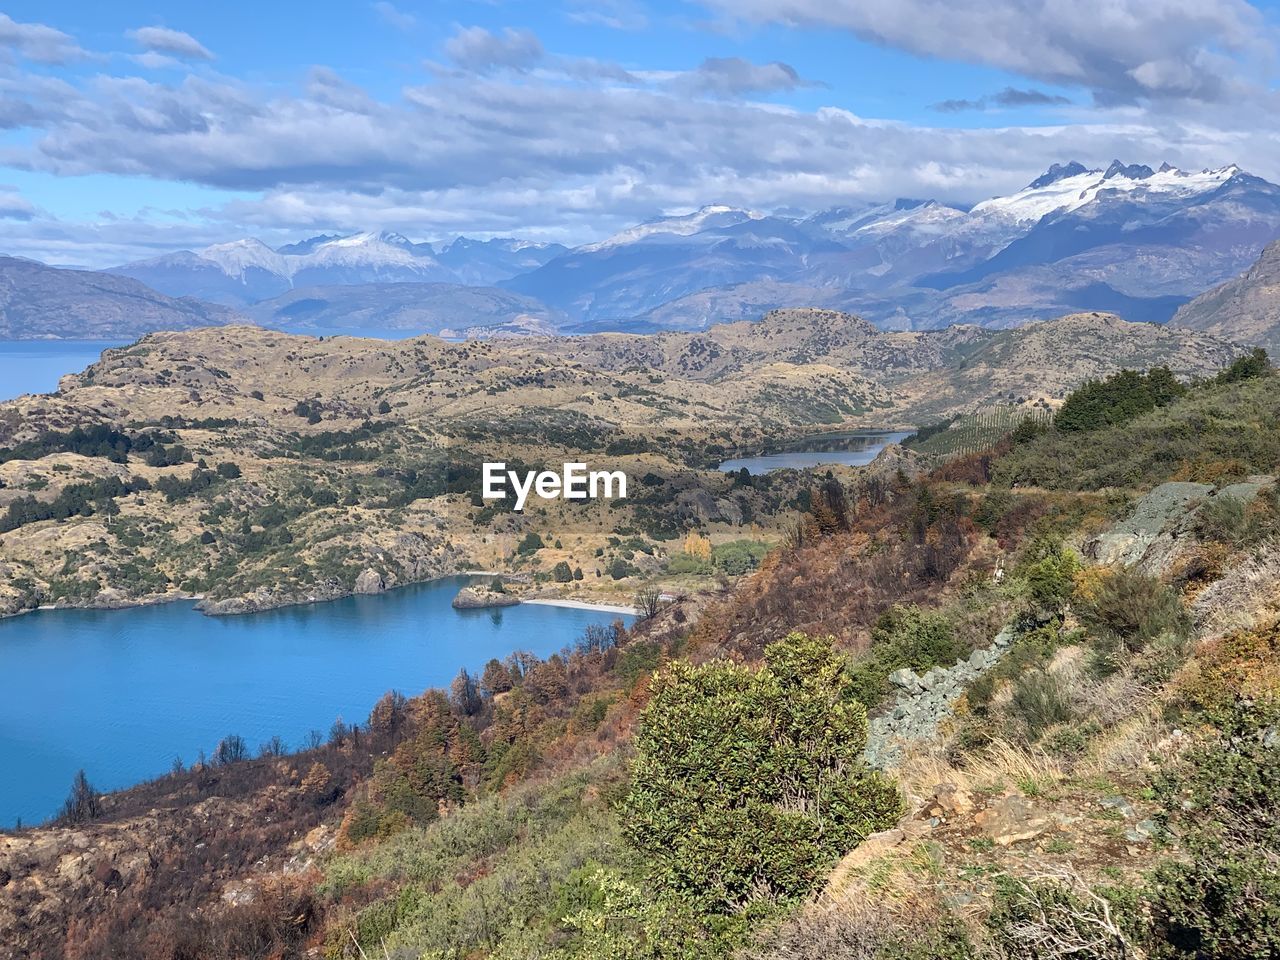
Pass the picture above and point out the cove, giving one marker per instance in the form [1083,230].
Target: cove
[121,693]
[36,366]
[852,449]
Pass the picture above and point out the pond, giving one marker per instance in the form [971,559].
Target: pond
[853,449]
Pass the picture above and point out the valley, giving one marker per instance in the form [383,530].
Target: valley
[257,469]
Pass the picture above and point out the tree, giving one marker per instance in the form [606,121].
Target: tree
[1253,364]
[697,546]
[207,538]
[384,408]
[389,714]
[83,802]
[562,573]
[231,749]
[648,602]
[751,783]
[496,678]
[464,693]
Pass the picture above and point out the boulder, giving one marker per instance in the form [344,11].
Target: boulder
[478,598]
[370,581]
[1012,819]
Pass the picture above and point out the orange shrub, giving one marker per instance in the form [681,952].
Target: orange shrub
[1240,665]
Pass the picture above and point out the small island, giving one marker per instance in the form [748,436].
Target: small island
[478,596]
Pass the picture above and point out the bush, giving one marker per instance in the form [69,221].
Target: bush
[1244,665]
[1040,701]
[904,636]
[1252,365]
[1127,609]
[1050,578]
[748,784]
[531,543]
[1051,919]
[1221,897]
[562,573]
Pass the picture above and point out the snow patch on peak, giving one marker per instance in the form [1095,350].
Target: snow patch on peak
[686,225]
[237,256]
[1135,181]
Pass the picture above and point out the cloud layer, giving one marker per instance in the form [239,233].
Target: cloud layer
[500,135]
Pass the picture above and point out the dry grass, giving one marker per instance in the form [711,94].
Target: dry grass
[1247,594]
[997,766]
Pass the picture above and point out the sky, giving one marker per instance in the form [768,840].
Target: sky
[134,128]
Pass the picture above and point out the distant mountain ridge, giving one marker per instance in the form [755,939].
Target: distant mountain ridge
[247,271]
[1126,238]
[42,302]
[1245,308]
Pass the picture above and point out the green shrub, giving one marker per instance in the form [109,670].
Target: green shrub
[1049,920]
[1221,897]
[562,572]
[748,784]
[1049,574]
[1040,702]
[1127,609]
[531,543]
[1252,365]
[1120,398]
[904,636]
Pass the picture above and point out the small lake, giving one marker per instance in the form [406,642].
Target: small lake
[853,449]
[35,366]
[121,693]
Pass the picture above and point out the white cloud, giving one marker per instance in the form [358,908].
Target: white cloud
[478,50]
[163,40]
[13,205]
[393,17]
[1118,49]
[38,42]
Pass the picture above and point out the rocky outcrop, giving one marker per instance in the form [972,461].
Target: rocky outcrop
[1163,522]
[480,597]
[370,581]
[924,701]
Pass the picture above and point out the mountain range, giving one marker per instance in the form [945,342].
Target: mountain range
[1245,308]
[1128,239]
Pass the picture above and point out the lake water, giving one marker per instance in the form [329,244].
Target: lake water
[122,692]
[854,449]
[35,366]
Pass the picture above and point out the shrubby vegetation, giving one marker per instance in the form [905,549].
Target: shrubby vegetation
[749,783]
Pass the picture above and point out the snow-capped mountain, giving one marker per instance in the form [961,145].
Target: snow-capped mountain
[711,217]
[1127,237]
[247,271]
[485,262]
[1072,187]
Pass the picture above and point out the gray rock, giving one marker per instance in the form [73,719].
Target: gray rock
[905,678]
[370,581]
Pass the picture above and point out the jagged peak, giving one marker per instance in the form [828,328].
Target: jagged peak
[1058,171]
[1131,171]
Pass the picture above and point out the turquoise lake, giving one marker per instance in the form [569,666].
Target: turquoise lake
[121,693]
[853,449]
[35,366]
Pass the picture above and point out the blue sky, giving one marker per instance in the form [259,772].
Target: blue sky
[132,128]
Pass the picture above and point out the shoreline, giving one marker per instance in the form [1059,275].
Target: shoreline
[584,605]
